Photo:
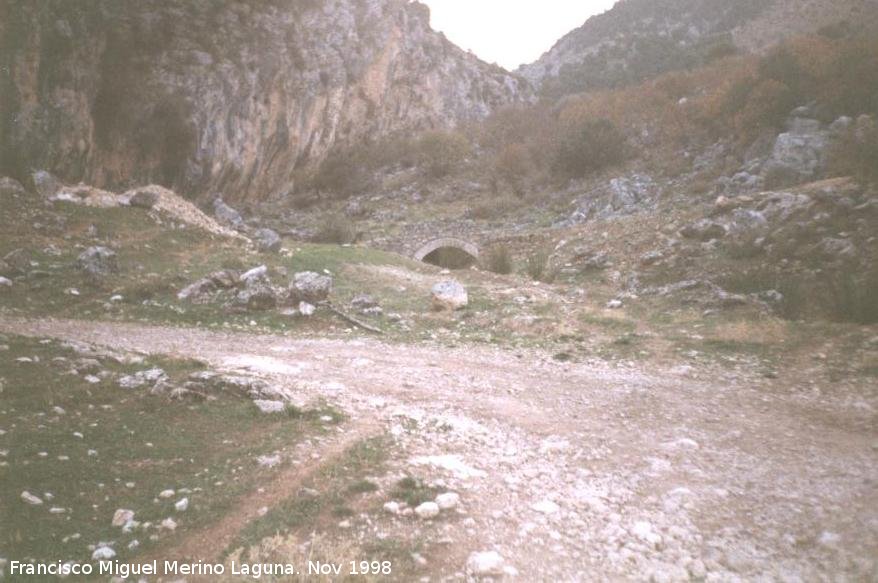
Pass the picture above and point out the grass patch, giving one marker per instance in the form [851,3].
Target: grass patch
[413,492]
[328,496]
[498,259]
[89,448]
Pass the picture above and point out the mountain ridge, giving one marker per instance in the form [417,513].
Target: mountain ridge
[224,97]
[639,39]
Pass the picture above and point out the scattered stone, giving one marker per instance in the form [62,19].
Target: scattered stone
[103,553]
[449,295]
[311,287]
[392,507]
[614,304]
[306,309]
[643,530]
[165,494]
[98,261]
[486,564]
[267,240]
[703,230]
[267,407]
[4,282]
[546,507]
[363,302]
[268,461]
[651,258]
[829,539]
[45,184]
[154,377]
[31,499]
[427,510]
[448,500]
[226,215]
[122,516]
[181,505]
[169,524]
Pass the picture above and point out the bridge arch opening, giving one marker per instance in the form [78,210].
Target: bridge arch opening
[450,258]
[448,253]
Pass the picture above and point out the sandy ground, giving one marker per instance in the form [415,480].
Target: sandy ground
[585,472]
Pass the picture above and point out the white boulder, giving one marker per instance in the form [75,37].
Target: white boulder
[449,295]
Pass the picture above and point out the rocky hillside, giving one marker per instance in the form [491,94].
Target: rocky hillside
[219,96]
[639,39]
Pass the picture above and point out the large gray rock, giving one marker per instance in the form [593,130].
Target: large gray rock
[310,287]
[98,261]
[202,291]
[449,295]
[227,215]
[198,292]
[799,154]
[267,240]
[145,199]
[16,262]
[255,274]
[45,184]
[740,183]
[258,293]
[619,196]
[329,70]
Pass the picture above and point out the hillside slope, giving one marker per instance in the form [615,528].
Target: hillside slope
[224,96]
[639,39]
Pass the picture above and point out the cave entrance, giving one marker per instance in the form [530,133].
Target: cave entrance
[448,253]
[450,258]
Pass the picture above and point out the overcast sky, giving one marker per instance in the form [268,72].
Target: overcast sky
[510,32]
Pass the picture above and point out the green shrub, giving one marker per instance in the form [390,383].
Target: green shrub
[495,207]
[441,152]
[513,164]
[336,229]
[783,66]
[342,173]
[498,259]
[539,266]
[854,299]
[852,86]
[843,297]
[856,154]
[590,147]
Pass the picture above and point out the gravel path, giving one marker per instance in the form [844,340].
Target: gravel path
[585,472]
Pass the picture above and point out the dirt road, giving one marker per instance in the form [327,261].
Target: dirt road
[579,472]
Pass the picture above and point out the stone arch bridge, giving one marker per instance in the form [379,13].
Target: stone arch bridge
[435,245]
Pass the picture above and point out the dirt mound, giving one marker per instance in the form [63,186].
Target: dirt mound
[162,202]
[174,206]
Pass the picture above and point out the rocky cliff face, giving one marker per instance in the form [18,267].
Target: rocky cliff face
[639,39]
[221,96]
